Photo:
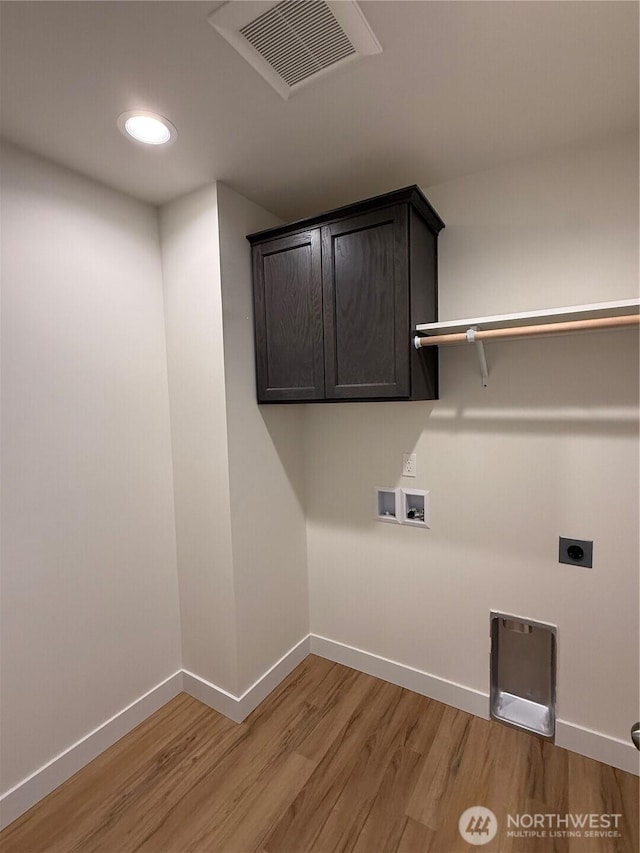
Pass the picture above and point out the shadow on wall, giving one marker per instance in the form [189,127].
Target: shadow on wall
[353,447]
[532,443]
[581,385]
[285,426]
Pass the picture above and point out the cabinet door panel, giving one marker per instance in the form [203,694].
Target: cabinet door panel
[366,306]
[288,318]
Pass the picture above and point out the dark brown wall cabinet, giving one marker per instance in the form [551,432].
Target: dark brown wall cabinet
[336,298]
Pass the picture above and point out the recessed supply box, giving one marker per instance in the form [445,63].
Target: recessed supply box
[523,673]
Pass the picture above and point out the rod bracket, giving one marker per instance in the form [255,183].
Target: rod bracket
[482,357]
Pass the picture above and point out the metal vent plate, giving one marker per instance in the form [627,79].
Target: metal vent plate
[299,38]
[293,43]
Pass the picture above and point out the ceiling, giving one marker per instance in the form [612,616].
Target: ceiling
[460,87]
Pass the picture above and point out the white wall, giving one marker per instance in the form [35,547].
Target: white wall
[90,595]
[549,448]
[238,470]
[193,310]
[266,468]
[89,588]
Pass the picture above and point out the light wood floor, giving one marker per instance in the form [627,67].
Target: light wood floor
[333,760]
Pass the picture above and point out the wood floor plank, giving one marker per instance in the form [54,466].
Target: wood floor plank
[304,820]
[440,768]
[353,807]
[386,820]
[332,761]
[504,771]
[467,783]
[424,726]
[416,838]
[83,805]
[303,681]
[596,788]
[237,820]
[129,816]
[522,780]
[208,803]
[340,704]
[328,676]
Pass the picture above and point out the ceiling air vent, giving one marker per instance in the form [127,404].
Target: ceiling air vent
[293,42]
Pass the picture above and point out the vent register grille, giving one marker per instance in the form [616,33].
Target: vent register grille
[298,38]
[293,42]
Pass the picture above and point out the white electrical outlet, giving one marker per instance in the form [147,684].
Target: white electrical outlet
[409,465]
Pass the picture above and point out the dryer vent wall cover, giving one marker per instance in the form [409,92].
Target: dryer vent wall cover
[293,42]
[523,673]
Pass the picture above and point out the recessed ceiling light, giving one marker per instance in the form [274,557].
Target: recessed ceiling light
[148,128]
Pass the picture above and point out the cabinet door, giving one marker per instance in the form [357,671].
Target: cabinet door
[288,318]
[366,306]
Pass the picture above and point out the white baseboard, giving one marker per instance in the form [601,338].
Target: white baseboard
[464,698]
[27,793]
[268,682]
[598,746]
[207,693]
[238,708]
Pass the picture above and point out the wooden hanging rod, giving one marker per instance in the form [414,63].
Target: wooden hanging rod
[529,331]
